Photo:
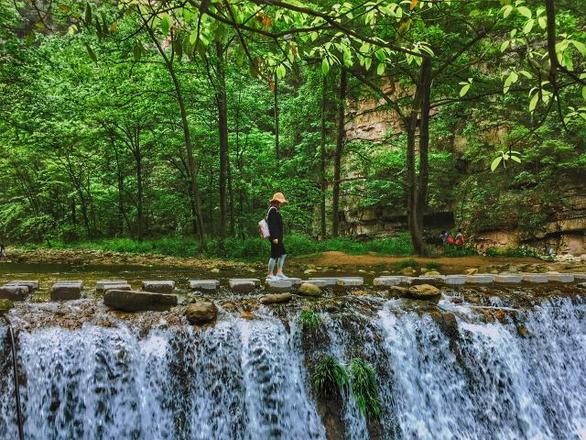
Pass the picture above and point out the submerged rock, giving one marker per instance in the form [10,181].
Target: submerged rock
[276,298]
[130,301]
[424,291]
[308,289]
[201,312]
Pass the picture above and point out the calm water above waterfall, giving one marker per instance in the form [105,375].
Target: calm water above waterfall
[461,377]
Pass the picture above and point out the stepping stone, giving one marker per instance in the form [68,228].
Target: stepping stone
[350,282]
[424,279]
[14,292]
[329,281]
[480,279]
[535,278]
[31,285]
[124,286]
[66,290]
[256,281]
[560,277]
[158,286]
[455,280]
[279,285]
[309,289]
[208,285]
[133,301]
[508,278]
[316,282]
[240,285]
[295,281]
[579,276]
[102,285]
[387,281]
[276,298]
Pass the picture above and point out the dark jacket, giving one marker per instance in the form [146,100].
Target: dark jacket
[275,222]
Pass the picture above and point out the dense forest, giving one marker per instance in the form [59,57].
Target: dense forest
[164,118]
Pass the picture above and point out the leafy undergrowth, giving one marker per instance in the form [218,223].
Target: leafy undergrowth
[249,249]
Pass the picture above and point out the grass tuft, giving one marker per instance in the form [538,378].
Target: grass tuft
[402,264]
[330,377]
[309,320]
[364,387]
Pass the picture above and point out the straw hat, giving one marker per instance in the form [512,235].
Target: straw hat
[279,197]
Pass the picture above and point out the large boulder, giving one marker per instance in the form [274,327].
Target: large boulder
[275,298]
[424,292]
[201,312]
[308,289]
[14,292]
[131,301]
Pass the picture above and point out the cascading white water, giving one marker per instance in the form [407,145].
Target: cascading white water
[247,380]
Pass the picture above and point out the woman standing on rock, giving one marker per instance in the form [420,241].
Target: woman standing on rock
[275,223]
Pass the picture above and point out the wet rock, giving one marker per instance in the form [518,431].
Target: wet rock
[408,271]
[581,285]
[508,278]
[309,271]
[66,290]
[241,286]
[131,301]
[215,270]
[471,271]
[480,279]
[309,289]
[103,285]
[424,292]
[14,293]
[432,273]
[454,280]
[387,281]
[29,284]
[349,282]
[325,281]
[207,285]
[201,312]
[248,315]
[5,305]
[276,298]
[279,285]
[158,286]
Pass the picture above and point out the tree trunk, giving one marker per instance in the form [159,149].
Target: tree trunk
[139,195]
[222,104]
[340,138]
[423,178]
[322,151]
[276,116]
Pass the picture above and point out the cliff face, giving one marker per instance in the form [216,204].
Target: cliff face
[562,228]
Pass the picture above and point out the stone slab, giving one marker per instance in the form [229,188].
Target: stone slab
[66,290]
[158,286]
[560,277]
[137,301]
[317,282]
[387,281]
[32,285]
[329,281]
[124,286]
[208,285]
[350,282]
[295,281]
[424,279]
[279,285]
[240,285]
[454,280]
[256,281]
[14,292]
[101,284]
[579,276]
[479,279]
[535,278]
[508,278]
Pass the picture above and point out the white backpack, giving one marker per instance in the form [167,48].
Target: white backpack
[263,226]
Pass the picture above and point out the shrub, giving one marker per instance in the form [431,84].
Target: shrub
[309,320]
[522,251]
[330,377]
[402,264]
[364,387]
[432,265]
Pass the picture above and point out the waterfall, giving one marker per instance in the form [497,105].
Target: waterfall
[441,375]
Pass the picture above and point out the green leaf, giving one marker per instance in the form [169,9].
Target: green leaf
[495,163]
[165,24]
[580,46]
[137,51]
[464,90]
[533,102]
[505,45]
[528,26]
[524,11]
[511,79]
[516,159]
[542,21]
[281,71]
[380,69]
[91,53]
[506,10]
[325,66]
[88,14]
[584,92]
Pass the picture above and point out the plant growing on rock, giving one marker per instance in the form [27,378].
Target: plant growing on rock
[330,377]
[402,264]
[364,387]
[309,320]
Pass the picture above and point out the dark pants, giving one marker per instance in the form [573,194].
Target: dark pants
[277,250]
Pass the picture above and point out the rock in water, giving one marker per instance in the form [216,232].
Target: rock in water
[276,298]
[308,289]
[14,293]
[158,286]
[424,291]
[201,312]
[5,305]
[66,290]
[129,301]
[471,271]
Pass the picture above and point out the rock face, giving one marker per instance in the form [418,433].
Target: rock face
[66,290]
[201,312]
[158,286]
[13,292]
[276,298]
[309,289]
[424,291]
[130,301]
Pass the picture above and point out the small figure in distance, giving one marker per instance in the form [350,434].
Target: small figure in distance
[2,251]
[275,223]
[460,238]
